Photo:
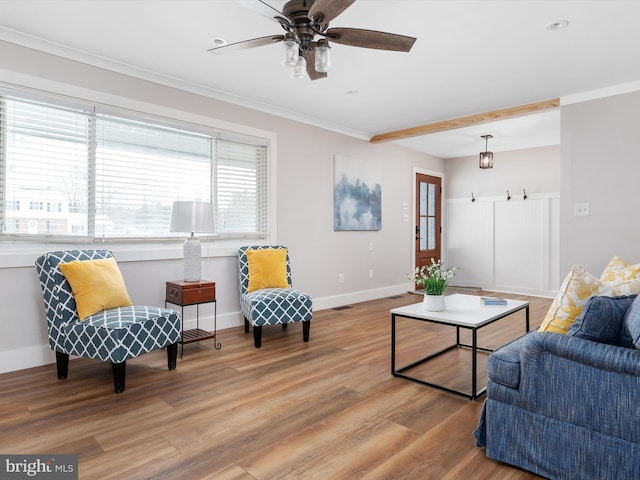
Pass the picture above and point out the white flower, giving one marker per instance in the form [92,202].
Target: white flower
[433,277]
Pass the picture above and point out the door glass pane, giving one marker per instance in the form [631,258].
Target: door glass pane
[431,235]
[432,200]
[423,199]
[423,231]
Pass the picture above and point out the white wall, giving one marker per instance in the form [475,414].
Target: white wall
[535,169]
[304,212]
[600,150]
[507,245]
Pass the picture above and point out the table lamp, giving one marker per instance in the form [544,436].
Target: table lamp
[192,217]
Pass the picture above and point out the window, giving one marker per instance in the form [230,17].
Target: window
[54,206]
[103,176]
[241,179]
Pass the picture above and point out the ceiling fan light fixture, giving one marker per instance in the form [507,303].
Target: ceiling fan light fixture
[306,20]
[291,50]
[300,69]
[486,157]
[323,56]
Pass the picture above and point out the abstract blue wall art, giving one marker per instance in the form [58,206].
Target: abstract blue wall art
[357,194]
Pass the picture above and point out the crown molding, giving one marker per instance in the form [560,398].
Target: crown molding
[600,93]
[68,53]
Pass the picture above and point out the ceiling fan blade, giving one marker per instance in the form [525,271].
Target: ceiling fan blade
[323,11]
[245,44]
[264,9]
[357,37]
[310,57]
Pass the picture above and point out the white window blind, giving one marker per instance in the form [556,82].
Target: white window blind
[44,156]
[73,172]
[240,187]
[140,170]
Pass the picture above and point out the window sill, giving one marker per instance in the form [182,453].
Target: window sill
[14,255]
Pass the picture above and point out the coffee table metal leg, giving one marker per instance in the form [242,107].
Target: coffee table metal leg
[474,363]
[393,343]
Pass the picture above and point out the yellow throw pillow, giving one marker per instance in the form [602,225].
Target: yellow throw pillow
[577,287]
[612,271]
[96,284]
[267,268]
[622,277]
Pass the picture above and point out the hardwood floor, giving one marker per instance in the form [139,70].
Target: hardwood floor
[328,409]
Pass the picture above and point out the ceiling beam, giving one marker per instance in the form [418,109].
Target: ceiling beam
[466,121]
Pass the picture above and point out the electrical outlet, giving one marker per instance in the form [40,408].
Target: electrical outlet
[341,278]
[371,273]
[581,209]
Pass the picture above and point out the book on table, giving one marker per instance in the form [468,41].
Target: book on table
[492,301]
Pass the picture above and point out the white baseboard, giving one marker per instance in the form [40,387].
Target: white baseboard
[531,292]
[356,297]
[27,357]
[35,356]
[228,320]
[235,319]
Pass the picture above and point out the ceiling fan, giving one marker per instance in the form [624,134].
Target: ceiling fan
[303,21]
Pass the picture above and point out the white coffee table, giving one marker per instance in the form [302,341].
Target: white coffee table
[461,311]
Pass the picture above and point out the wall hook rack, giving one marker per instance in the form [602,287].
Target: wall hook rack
[508,196]
[473,199]
[524,194]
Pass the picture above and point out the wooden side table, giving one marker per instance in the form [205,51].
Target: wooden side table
[185,294]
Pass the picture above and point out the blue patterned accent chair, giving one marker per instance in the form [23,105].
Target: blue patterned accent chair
[113,335]
[272,306]
[567,406]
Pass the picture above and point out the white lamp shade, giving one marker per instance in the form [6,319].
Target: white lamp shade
[192,217]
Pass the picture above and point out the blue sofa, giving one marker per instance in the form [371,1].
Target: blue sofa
[568,406]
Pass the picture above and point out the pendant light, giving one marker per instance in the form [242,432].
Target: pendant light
[486,157]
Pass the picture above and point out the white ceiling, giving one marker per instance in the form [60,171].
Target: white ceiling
[470,57]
